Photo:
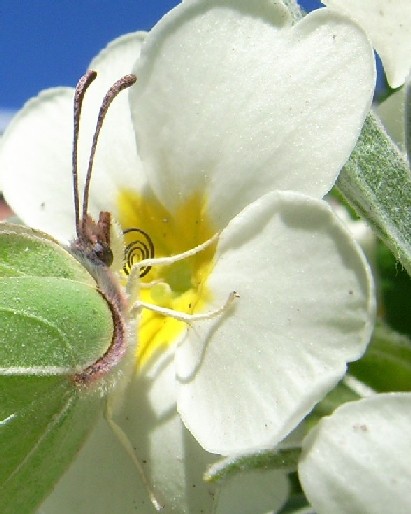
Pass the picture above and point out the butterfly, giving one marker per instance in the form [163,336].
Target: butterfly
[63,338]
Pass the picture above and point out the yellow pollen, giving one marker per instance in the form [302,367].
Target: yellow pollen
[180,286]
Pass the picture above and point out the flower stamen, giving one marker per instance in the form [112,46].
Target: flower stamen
[183,316]
[185,242]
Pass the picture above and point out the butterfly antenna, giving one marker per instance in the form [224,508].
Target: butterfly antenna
[115,89]
[80,90]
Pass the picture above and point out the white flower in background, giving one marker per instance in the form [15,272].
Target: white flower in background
[395,114]
[237,117]
[392,114]
[387,23]
[357,459]
[359,229]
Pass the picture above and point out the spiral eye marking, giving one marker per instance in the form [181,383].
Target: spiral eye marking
[141,247]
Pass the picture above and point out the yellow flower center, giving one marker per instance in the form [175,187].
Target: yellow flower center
[180,286]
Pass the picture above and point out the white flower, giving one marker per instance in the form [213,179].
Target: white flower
[5,117]
[359,229]
[237,117]
[356,460]
[392,114]
[387,22]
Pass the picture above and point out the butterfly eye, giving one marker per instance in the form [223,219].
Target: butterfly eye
[140,247]
[103,254]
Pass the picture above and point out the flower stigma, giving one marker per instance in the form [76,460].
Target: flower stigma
[180,286]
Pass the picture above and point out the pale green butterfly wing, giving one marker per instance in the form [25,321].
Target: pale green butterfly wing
[44,423]
[53,323]
[56,324]
[25,251]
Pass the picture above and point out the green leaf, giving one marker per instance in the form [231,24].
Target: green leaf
[376,181]
[407,124]
[284,460]
[394,285]
[386,365]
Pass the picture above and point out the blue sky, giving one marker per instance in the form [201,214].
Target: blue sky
[47,43]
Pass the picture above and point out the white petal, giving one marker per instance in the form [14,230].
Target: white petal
[35,163]
[359,229]
[358,459]
[117,59]
[233,102]
[387,22]
[103,478]
[5,117]
[117,164]
[253,492]
[35,155]
[306,307]
[178,462]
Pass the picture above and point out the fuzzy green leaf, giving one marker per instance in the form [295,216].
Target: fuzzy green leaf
[282,460]
[376,181]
